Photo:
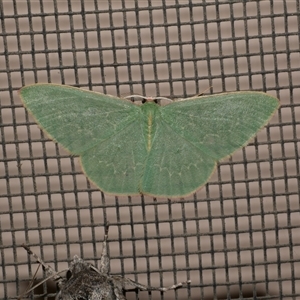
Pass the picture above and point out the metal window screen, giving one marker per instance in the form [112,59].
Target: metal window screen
[238,237]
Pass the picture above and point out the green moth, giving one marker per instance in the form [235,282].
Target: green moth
[162,151]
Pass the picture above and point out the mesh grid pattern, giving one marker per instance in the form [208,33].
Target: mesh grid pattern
[238,237]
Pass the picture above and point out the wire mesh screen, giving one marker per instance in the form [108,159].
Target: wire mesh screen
[238,237]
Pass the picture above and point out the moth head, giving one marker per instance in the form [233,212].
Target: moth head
[77,265]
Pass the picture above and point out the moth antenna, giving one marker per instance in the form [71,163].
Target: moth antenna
[198,95]
[104,260]
[136,96]
[49,270]
[163,98]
